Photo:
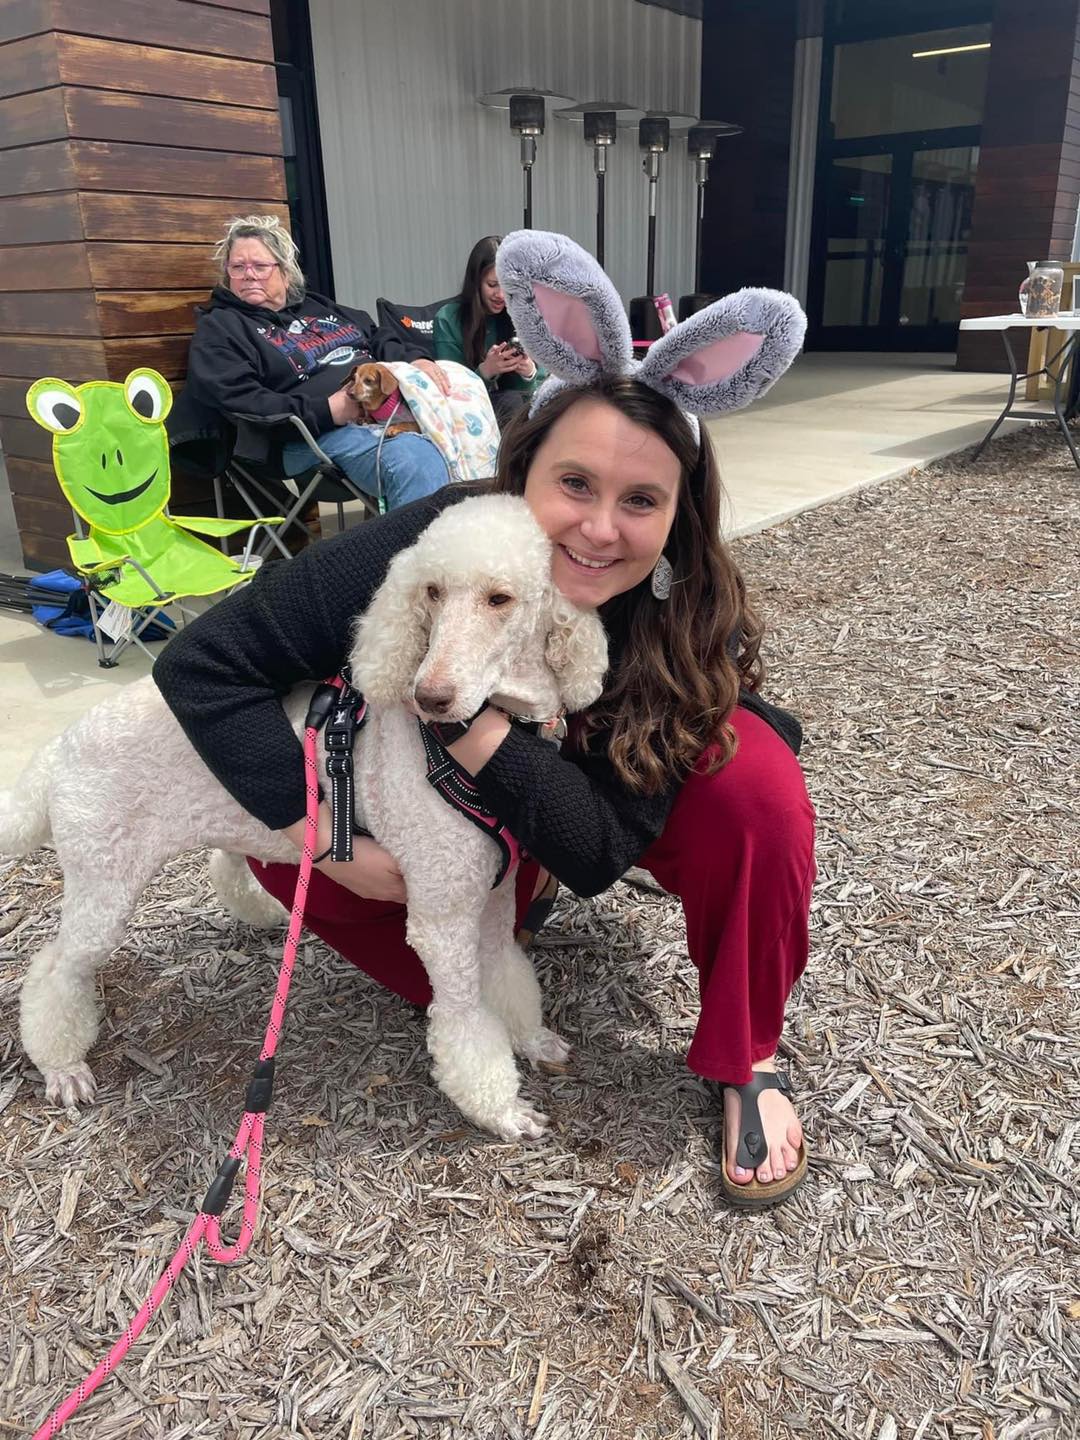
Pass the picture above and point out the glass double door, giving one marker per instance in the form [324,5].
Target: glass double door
[892,222]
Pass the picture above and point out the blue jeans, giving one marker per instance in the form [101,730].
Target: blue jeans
[409,466]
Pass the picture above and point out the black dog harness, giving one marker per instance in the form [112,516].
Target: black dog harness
[343,710]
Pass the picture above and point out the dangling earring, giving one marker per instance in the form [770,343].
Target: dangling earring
[662,576]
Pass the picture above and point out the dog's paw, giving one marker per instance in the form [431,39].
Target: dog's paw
[72,1086]
[543,1047]
[521,1123]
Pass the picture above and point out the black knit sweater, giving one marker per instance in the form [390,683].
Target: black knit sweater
[225,674]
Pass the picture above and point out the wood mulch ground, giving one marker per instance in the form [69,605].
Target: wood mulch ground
[414,1278]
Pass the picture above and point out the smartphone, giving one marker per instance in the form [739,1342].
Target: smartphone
[515,346]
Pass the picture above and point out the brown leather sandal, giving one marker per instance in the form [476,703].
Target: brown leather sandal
[536,916]
[752,1150]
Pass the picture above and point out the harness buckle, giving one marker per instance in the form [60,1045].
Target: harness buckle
[338,765]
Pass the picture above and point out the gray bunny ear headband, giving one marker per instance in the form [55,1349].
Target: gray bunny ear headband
[571,320]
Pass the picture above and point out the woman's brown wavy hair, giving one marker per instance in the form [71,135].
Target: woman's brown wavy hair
[683,659]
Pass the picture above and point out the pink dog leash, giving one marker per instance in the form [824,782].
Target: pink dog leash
[206,1227]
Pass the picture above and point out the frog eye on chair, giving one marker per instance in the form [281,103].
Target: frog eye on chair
[55,405]
[148,396]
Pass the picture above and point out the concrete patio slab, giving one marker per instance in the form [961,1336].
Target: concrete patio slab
[837,423]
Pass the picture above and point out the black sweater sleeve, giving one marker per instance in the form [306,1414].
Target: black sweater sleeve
[224,675]
[571,811]
[224,372]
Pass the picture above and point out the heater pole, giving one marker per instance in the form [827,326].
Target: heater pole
[700,236]
[528,159]
[652,169]
[600,165]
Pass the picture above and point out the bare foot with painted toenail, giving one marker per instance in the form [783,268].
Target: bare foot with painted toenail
[783,1132]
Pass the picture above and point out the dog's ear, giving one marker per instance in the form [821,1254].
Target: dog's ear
[391,635]
[576,653]
[387,383]
[350,384]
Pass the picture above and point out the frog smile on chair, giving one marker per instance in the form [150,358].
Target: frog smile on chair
[111,457]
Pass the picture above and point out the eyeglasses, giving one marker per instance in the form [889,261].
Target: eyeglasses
[259,268]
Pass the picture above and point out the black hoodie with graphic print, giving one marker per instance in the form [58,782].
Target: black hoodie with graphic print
[249,360]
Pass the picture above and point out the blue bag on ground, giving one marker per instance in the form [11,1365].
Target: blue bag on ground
[59,602]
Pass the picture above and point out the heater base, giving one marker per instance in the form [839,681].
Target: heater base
[691,304]
[644,321]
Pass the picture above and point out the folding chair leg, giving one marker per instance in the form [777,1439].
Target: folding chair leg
[272,534]
[219,511]
[106,661]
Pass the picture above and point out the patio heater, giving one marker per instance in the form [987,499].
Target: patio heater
[654,138]
[528,109]
[700,144]
[601,121]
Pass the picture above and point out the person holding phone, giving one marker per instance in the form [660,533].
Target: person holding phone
[475,330]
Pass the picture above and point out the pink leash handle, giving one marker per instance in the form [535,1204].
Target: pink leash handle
[206,1227]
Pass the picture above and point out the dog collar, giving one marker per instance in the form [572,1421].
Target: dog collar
[554,728]
[387,408]
[446,732]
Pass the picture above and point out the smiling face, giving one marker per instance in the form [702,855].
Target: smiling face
[110,449]
[254,274]
[605,491]
[491,295]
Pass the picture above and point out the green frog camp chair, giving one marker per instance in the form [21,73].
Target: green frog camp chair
[111,457]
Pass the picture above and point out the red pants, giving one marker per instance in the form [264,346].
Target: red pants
[738,850]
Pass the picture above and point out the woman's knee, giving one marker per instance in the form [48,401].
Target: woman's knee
[756,807]
[415,465]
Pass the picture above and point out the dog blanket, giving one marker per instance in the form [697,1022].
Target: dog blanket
[462,424]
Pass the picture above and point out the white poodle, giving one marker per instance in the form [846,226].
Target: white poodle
[465,614]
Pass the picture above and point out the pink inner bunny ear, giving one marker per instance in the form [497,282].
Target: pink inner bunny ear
[719,360]
[569,320]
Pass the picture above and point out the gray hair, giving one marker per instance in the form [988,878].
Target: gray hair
[268,229]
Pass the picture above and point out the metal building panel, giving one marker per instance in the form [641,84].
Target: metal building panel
[417,171]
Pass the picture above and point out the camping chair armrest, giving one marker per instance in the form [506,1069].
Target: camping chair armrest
[213,526]
[266,422]
[86,554]
[102,567]
[311,442]
[93,572]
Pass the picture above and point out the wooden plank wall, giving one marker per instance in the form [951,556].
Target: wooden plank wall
[1028,183]
[114,184]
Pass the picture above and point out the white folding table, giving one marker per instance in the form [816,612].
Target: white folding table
[1065,377]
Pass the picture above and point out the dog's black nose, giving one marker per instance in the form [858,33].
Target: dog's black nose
[434,702]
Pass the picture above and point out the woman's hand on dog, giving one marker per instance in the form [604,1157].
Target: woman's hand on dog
[434,371]
[344,408]
[372,873]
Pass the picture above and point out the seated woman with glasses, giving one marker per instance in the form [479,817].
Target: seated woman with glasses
[266,347]
[475,330]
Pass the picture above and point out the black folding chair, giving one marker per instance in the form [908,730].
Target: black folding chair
[265,489]
[412,324]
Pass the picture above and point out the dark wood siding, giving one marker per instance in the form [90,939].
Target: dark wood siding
[114,184]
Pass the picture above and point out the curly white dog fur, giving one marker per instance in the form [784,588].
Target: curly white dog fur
[431,628]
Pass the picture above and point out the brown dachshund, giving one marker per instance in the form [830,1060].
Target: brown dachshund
[375,390]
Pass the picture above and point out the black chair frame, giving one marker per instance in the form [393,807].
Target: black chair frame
[324,481]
